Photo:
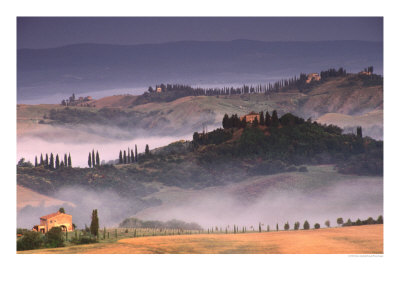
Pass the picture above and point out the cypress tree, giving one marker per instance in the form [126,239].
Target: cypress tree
[65,160]
[287,227]
[62,164]
[97,158]
[274,119]
[94,225]
[262,120]
[136,156]
[267,120]
[120,157]
[51,161]
[147,150]
[225,121]
[93,159]
[259,227]
[132,156]
[124,156]
[90,160]
[129,156]
[306,225]
[46,161]
[267,228]
[36,164]
[41,159]
[277,227]
[69,160]
[57,162]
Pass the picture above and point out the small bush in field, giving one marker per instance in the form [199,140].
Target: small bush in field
[317,226]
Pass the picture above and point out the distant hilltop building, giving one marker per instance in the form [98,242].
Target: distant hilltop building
[313,77]
[365,73]
[57,219]
[159,90]
[250,117]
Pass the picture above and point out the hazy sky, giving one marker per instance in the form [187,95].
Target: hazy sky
[46,32]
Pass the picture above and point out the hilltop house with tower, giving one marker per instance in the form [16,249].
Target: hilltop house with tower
[58,219]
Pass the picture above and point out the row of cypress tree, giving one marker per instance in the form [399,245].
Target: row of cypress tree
[234,121]
[52,162]
[93,161]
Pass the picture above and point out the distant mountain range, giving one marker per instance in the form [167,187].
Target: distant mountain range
[80,68]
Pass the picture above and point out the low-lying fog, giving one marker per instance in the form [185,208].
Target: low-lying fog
[347,197]
[108,141]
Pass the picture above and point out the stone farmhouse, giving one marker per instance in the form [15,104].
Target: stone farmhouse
[313,77]
[250,117]
[57,219]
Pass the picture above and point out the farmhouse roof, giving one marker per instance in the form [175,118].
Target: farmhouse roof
[50,215]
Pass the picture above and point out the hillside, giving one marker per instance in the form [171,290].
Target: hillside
[348,95]
[81,68]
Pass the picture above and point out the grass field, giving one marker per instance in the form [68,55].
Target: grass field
[347,240]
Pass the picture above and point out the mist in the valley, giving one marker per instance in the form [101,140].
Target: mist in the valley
[111,207]
[356,198]
[79,141]
[352,198]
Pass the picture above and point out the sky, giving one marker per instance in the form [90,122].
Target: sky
[49,32]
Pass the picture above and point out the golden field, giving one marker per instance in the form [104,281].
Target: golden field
[366,239]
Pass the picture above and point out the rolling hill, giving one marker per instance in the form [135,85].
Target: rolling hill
[57,72]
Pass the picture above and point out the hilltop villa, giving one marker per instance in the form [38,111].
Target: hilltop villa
[57,219]
[250,117]
[313,76]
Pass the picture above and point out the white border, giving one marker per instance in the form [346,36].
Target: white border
[198,276]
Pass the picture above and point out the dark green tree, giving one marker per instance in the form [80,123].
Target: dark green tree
[69,160]
[136,155]
[94,225]
[120,157]
[226,122]
[129,156]
[62,210]
[296,225]
[54,238]
[306,225]
[259,227]
[41,159]
[317,226]
[277,227]
[97,158]
[287,226]
[267,119]
[274,119]
[65,160]
[36,163]
[124,156]
[379,220]
[93,159]
[358,222]
[51,163]
[132,156]
[255,122]
[268,228]
[327,223]
[46,161]
[262,119]
[339,221]
[359,132]
[90,160]
[147,150]
[57,162]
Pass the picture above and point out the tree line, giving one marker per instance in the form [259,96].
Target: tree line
[52,162]
[234,121]
[93,161]
[129,157]
[296,82]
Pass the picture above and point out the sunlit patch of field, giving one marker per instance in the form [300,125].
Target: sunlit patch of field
[347,240]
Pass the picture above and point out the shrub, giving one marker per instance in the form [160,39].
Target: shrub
[287,226]
[54,238]
[339,221]
[379,220]
[29,241]
[84,240]
[296,225]
[327,223]
[317,226]
[306,225]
